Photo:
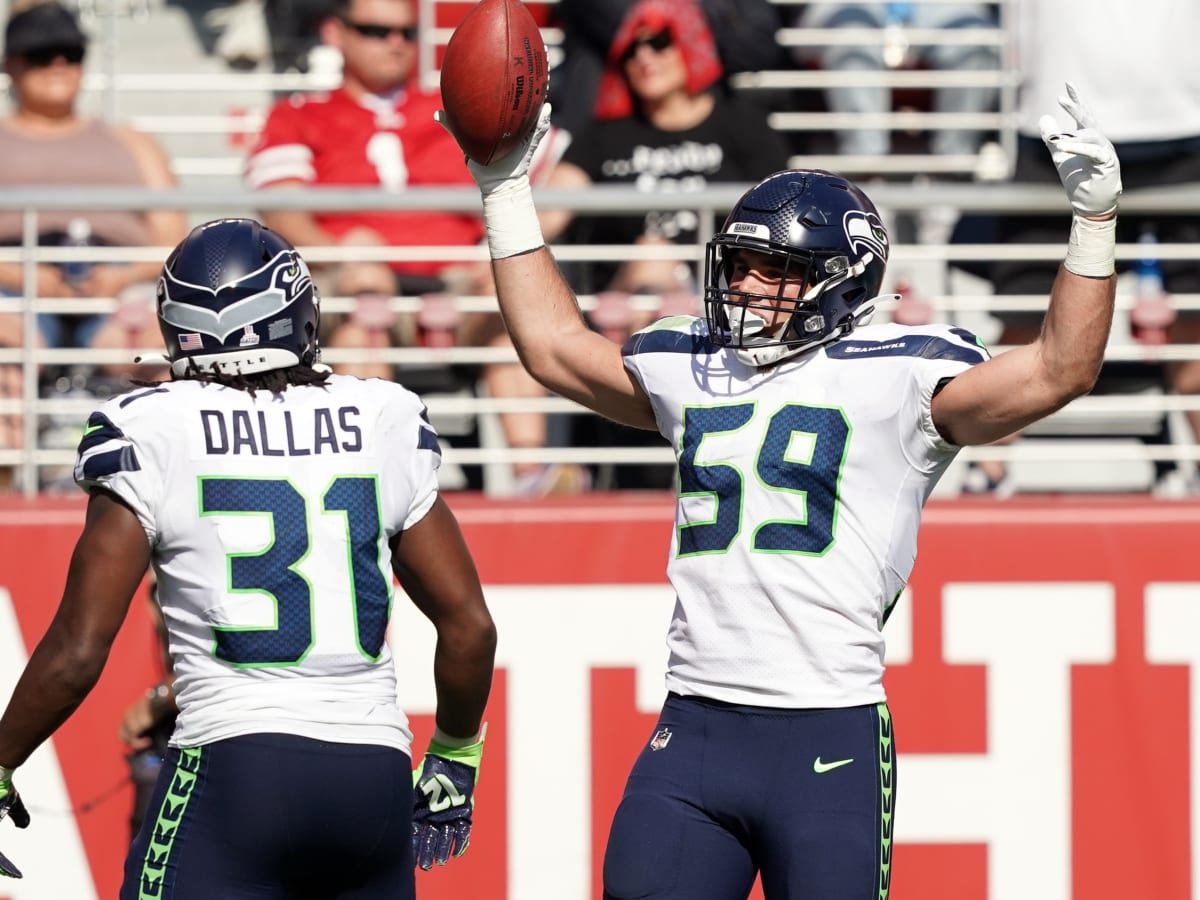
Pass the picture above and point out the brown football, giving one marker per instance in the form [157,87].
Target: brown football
[494,79]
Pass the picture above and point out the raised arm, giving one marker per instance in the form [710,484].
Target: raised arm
[539,308]
[1007,393]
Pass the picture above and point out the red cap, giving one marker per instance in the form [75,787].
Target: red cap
[690,32]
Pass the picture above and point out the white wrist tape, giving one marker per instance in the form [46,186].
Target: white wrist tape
[1092,249]
[511,220]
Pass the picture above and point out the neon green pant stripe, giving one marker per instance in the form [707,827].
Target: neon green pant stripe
[154,866]
[887,798]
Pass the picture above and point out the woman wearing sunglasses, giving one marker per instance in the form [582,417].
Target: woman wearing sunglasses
[44,140]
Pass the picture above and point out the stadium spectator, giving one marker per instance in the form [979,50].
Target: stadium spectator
[377,129]
[807,442]
[894,52]
[744,31]
[44,140]
[662,125]
[1152,114]
[289,771]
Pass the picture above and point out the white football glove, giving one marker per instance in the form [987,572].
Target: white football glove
[1086,161]
[510,169]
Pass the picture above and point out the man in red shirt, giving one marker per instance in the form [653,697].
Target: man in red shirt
[378,129]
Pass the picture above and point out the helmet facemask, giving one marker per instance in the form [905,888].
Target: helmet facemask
[831,248]
[746,322]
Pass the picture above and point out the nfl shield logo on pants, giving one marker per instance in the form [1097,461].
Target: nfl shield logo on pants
[660,740]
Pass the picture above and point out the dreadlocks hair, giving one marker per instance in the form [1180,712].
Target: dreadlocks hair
[273,381]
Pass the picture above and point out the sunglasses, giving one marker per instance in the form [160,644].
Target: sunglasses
[658,42]
[382,32]
[45,56]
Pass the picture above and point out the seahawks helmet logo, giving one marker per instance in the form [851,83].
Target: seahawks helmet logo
[296,278]
[289,279]
[865,233]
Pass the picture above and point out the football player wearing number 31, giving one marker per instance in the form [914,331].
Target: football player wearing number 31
[807,442]
[274,500]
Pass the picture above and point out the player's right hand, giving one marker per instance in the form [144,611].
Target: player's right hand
[1086,161]
[12,807]
[511,168]
[444,801]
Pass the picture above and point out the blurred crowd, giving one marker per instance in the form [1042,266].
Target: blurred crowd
[643,95]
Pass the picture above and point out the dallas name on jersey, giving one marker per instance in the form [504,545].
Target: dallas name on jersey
[279,564]
[796,526]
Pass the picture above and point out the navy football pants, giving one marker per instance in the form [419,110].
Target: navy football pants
[277,817]
[721,793]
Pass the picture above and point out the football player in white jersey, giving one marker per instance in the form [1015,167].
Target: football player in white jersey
[807,443]
[274,501]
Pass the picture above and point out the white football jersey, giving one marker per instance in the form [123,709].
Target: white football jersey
[269,516]
[800,493]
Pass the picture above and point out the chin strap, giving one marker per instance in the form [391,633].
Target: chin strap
[152,359]
[268,359]
[867,313]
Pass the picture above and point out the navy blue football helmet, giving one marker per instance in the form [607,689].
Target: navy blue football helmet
[236,294]
[828,236]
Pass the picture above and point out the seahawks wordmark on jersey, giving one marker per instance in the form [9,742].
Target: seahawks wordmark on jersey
[800,494]
[270,517]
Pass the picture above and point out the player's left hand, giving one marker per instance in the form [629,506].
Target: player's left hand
[444,791]
[1086,161]
[12,807]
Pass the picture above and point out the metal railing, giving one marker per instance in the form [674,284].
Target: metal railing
[252,92]
[1094,414]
